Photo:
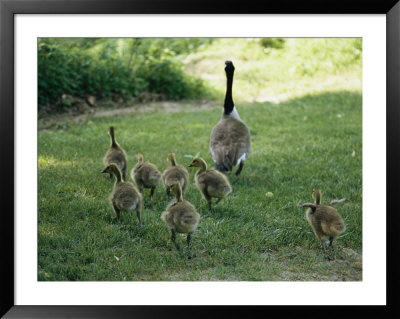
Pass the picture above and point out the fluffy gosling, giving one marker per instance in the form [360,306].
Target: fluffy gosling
[125,196]
[210,182]
[175,173]
[325,221]
[145,175]
[115,154]
[180,216]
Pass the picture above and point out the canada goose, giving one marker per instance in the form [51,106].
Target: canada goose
[180,216]
[210,182]
[175,173]
[115,154]
[230,138]
[324,220]
[146,175]
[125,196]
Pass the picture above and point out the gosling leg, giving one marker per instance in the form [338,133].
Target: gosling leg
[117,211]
[173,238]
[151,194]
[139,214]
[140,187]
[188,239]
[239,170]
[330,241]
[323,245]
[208,198]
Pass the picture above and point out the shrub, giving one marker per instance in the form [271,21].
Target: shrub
[113,69]
[276,43]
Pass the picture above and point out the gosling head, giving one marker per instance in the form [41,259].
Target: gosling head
[140,157]
[176,189]
[316,194]
[111,169]
[171,158]
[197,162]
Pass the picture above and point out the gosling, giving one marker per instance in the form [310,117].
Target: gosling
[145,175]
[115,154]
[210,182]
[125,196]
[180,216]
[325,221]
[175,173]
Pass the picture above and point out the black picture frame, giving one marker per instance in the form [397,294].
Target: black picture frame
[8,10]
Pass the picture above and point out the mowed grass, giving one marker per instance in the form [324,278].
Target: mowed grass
[309,141]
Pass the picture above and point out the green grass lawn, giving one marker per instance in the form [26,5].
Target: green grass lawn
[303,142]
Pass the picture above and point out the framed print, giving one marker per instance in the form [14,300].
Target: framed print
[103,259]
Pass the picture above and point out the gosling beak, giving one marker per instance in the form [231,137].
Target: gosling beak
[103,171]
[191,165]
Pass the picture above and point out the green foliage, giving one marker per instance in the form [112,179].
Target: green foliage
[277,43]
[114,68]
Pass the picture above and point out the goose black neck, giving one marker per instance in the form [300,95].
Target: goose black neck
[228,105]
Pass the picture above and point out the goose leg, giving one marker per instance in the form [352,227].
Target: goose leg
[240,168]
[117,211]
[173,238]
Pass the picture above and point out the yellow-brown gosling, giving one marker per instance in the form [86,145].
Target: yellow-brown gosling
[175,173]
[125,196]
[230,137]
[180,216]
[116,154]
[210,182]
[145,175]
[324,220]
